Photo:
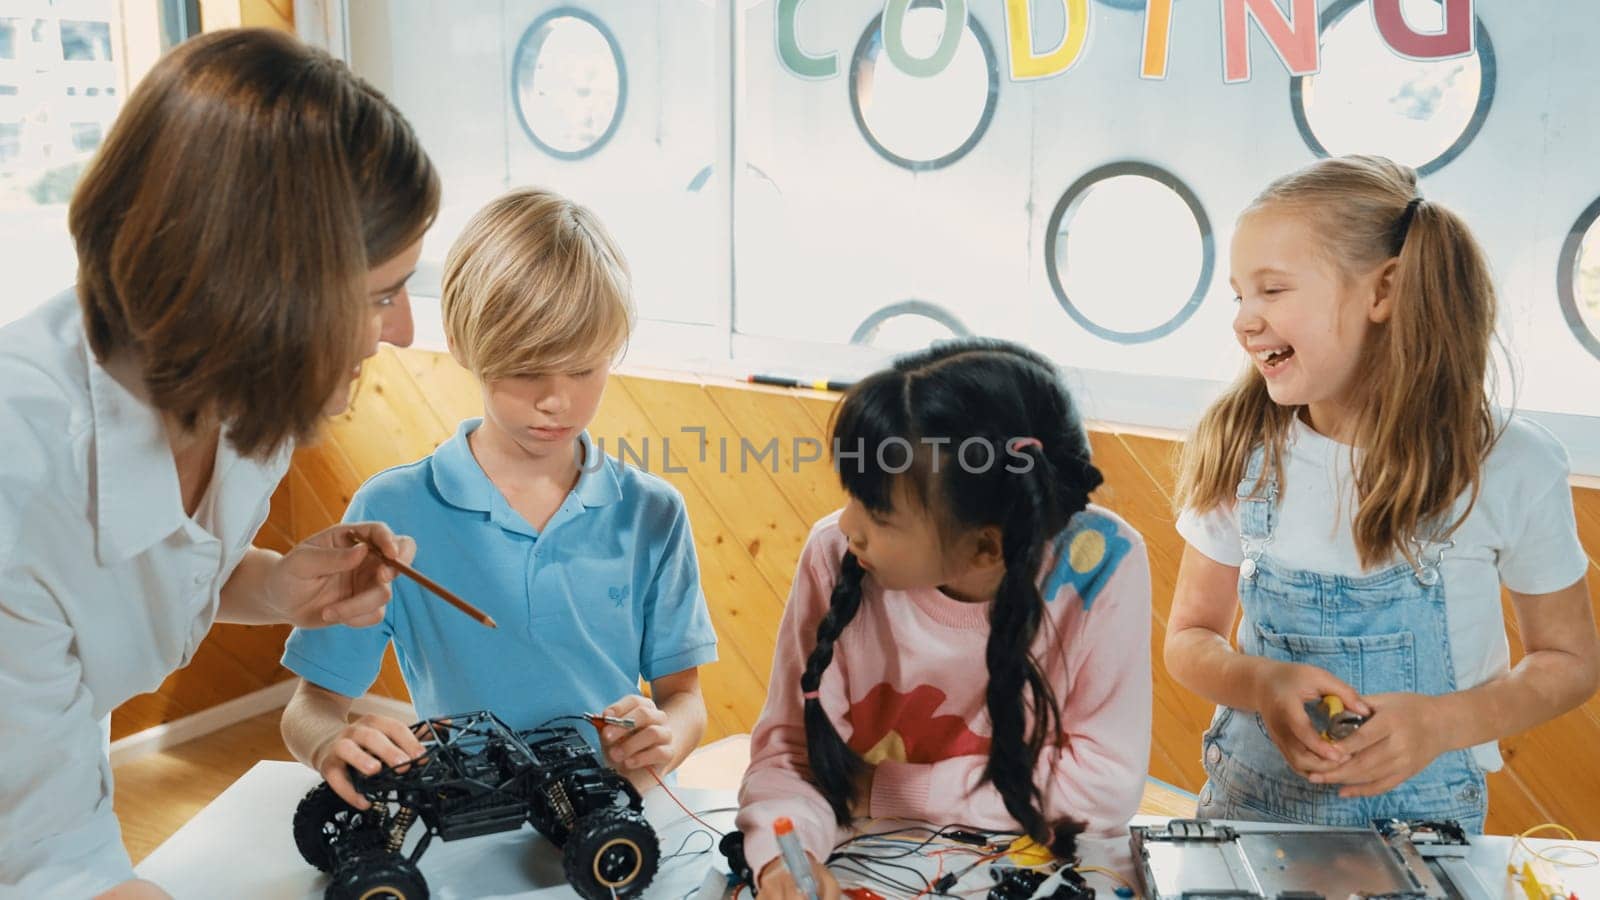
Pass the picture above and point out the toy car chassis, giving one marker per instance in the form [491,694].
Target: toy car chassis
[477,776]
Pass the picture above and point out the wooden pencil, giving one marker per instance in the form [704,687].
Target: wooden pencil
[437,589]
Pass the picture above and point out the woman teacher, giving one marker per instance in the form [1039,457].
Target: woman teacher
[243,236]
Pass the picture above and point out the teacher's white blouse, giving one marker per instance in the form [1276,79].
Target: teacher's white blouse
[106,588]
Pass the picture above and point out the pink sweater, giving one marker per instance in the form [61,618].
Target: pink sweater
[906,691]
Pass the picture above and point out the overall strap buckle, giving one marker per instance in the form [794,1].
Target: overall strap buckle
[1429,555]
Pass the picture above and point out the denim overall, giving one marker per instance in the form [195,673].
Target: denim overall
[1379,633]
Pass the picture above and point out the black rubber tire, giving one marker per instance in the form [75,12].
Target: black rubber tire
[378,878]
[611,850]
[317,809]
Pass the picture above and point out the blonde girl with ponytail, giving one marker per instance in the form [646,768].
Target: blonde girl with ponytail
[1358,497]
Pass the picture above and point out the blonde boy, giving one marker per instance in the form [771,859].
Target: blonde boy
[587,565]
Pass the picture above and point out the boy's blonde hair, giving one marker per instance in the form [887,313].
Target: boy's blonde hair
[533,285]
[1425,423]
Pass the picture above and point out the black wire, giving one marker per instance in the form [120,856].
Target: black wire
[913,850]
[867,865]
[547,722]
[933,835]
[849,864]
[862,863]
[689,837]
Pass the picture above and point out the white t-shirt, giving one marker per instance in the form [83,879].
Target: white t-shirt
[1521,532]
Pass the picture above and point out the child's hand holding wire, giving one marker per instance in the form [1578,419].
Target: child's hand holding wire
[632,751]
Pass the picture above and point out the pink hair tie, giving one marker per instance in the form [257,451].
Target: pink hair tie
[1023,443]
[810,695]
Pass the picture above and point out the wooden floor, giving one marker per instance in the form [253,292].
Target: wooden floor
[159,793]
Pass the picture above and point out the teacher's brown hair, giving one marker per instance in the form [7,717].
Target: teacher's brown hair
[225,228]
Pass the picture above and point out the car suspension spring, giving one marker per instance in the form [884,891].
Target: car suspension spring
[563,805]
[402,824]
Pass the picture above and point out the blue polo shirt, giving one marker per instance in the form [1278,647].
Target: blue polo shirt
[607,593]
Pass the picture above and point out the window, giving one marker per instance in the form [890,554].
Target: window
[614,107]
[82,41]
[10,141]
[883,218]
[1578,279]
[923,122]
[569,83]
[1368,99]
[8,38]
[908,325]
[1097,250]
[813,219]
[59,98]
[85,136]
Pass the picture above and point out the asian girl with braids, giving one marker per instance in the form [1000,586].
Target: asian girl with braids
[968,640]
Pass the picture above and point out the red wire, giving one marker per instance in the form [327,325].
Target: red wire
[949,850]
[975,863]
[708,825]
[992,856]
[935,880]
[599,723]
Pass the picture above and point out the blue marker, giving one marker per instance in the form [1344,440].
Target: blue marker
[794,857]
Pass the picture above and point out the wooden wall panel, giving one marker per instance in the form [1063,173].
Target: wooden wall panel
[749,527]
[810,488]
[747,609]
[1178,716]
[741,489]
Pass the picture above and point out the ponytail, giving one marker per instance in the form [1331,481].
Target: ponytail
[1425,436]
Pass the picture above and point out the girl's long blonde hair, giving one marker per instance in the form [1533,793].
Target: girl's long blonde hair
[1424,423]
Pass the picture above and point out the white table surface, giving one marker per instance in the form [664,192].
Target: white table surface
[242,846]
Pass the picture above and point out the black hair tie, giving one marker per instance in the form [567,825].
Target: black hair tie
[1405,222]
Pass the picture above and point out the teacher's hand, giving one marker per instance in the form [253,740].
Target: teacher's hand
[331,579]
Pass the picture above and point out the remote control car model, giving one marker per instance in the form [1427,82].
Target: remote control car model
[477,777]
